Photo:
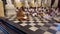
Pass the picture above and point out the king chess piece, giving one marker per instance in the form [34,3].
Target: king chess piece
[55,4]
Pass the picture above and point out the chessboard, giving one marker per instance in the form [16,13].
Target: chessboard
[35,24]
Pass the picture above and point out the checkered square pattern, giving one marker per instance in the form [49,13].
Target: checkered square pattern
[37,24]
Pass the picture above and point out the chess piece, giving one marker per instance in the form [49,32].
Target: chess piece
[26,4]
[10,9]
[53,12]
[57,12]
[27,13]
[49,3]
[21,15]
[18,3]
[46,3]
[26,7]
[43,3]
[34,14]
[1,9]
[39,2]
[32,4]
[57,9]
[55,4]
[39,9]
[46,16]
[36,5]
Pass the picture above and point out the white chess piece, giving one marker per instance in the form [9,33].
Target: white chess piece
[39,2]
[25,17]
[48,3]
[57,10]
[10,9]
[36,4]
[18,3]
[26,4]
[46,16]
[55,4]
[44,3]
[32,4]
[34,14]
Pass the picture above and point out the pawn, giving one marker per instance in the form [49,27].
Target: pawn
[53,12]
[53,9]
[34,14]
[39,9]
[46,16]
[25,9]
[57,11]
